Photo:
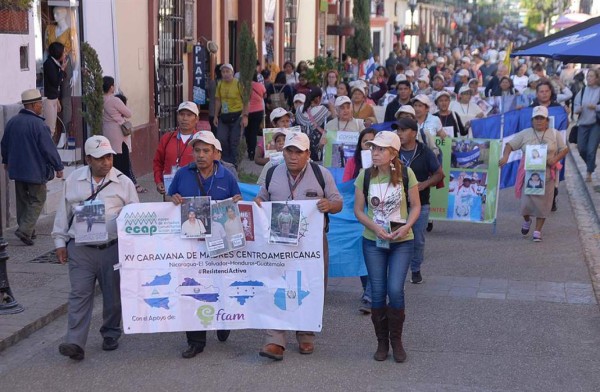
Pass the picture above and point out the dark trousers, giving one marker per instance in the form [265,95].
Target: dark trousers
[196,338]
[229,135]
[122,162]
[30,200]
[251,132]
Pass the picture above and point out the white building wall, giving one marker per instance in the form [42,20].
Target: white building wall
[306,37]
[15,80]
[99,32]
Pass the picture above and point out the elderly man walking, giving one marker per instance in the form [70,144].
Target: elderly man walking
[31,159]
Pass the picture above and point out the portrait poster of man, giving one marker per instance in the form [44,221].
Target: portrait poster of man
[90,223]
[228,233]
[196,217]
[285,223]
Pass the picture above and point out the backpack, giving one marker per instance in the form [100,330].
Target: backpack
[367,182]
[320,180]
[278,99]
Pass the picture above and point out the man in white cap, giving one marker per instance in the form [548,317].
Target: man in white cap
[297,181]
[97,184]
[280,118]
[463,80]
[174,151]
[440,63]
[403,96]
[428,123]
[31,158]
[231,114]
[205,176]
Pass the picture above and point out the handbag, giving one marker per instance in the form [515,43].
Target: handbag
[573,134]
[126,128]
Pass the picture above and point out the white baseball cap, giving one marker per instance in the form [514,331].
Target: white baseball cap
[278,113]
[385,139]
[405,109]
[98,146]
[439,76]
[339,101]
[440,60]
[424,99]
[463,72]
[188,105]
[300,98]
[358,88]
[228,66]
[400,78]
[533,78]
[423,78]
[539,111]
[218,145]
[474,80]
[442,94]
[409,72]
[206,137]
[466,59]
[464,89]
[298,140]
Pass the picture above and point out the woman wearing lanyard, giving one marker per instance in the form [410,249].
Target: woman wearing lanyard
[387,238]
[540,134]
[173,150]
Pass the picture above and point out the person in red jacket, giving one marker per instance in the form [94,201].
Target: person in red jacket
[173,149]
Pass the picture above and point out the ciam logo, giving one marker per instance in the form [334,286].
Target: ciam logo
[141,223]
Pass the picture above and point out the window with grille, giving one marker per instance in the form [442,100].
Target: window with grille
[13,21]
[290,27]
[170,61]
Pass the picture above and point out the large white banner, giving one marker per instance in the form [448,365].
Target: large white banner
[169,283]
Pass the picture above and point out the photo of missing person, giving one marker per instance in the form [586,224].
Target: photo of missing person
[228,233]
[470,154]
[195,217]
[268,140]
[535,157]
[467,195]
[285,223]
[90,223]
[247,217]
[535,182]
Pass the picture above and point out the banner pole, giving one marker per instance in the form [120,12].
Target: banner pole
[499,174]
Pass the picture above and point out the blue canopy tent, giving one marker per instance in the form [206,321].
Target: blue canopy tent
[577,44]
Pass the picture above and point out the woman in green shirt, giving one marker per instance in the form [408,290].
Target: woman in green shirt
[387,238]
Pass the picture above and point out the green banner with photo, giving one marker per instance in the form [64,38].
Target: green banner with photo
[470,192]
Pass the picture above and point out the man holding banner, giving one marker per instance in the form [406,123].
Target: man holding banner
[428,171]
[299,179]
[206,176]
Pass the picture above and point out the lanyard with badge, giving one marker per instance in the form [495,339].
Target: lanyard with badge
[168,177]
[295,183]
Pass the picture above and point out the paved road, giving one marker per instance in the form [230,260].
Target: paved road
[496,313]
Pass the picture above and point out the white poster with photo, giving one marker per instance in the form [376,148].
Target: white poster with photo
[172,284]
[536,156]
[196,217]
[228,232]
[90,223]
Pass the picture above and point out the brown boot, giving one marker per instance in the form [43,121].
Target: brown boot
[396,323]
[380,322]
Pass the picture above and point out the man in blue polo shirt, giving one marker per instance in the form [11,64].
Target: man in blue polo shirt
[206,176]
[428,171]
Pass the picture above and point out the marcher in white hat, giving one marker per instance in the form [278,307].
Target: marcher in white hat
[532,205]
[388,240]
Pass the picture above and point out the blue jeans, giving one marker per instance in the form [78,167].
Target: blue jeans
[419,231]
[588,138]
[387,271]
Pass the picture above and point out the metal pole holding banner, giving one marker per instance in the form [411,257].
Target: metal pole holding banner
[8,303]
[499,173]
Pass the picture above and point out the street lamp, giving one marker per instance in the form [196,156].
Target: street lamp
[413,5]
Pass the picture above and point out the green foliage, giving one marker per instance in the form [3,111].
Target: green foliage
[319,67]
[93,97]
[247,64]
[16,4]
[359,46]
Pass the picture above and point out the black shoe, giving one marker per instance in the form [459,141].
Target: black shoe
[33,235]
[72,351]
[110,344]
[24,238]
[192,351]
[223,334]
[429,226]
[416,277]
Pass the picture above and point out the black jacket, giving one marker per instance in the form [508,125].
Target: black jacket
[53,77]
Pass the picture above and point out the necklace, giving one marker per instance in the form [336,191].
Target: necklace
[355,112]
[407,162]
[540,141]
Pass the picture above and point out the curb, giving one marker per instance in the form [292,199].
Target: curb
[33,327]
[588,222]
